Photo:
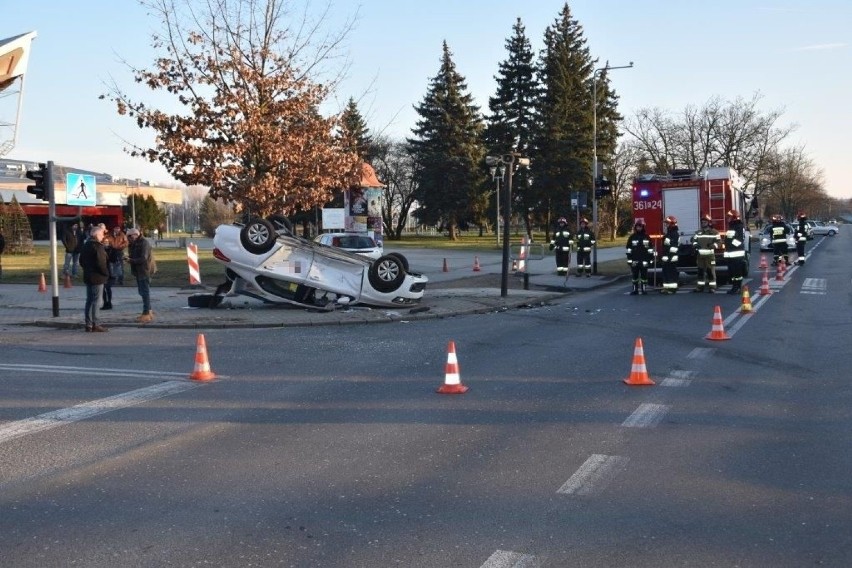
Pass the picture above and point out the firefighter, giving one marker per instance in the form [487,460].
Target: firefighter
[735,252]
[562,241]
[669,259]
[801,238]
[585,242]
[779,232]
[706,241]
[640,253]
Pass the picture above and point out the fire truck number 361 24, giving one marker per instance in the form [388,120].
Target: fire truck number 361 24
[642,205]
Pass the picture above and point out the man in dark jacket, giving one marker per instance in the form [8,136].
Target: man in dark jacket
[640,254]
[735,252]
[93,261]
[72,253]
[142,265]
[561,243]
[671,242]
[2,248]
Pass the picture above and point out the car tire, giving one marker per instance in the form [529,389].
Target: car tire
[258,236]
[402,260]
[387,273]
[280,222]
[832,233]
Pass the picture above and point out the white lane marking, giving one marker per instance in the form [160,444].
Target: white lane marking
[89,409]
[700,352]
[814,286]
[678,378]
[94,371]
[594,475]
[646,416]
[509,559]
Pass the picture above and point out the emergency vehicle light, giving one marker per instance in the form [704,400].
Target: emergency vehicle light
[644,192]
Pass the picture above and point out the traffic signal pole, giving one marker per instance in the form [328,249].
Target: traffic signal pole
[51,227]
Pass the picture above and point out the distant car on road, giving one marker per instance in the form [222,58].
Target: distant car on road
[820,229]
[358,243]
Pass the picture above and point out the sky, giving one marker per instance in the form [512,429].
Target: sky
[796,53]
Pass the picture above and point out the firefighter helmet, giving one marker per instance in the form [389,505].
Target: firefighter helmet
[584,220]
[802,216]
[734,214]
[777,218]
[562,221]
[671,220]
[707,218]
[639,223]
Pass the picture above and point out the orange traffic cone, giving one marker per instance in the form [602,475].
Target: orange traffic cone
[202,371]
[779,275]
[638,371]
[42,285]
[68,281]
[764,287]
[452,382]
[763,262]
[746,307]
[445,269]
[476,267]
[717,333]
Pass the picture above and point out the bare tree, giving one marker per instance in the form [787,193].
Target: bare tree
[394,165]
[246,73]
[795,183]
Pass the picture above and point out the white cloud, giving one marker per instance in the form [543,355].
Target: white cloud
[820,47]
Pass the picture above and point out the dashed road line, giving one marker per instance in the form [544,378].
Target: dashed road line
[646,416]
[89,409]
[814,286]
[509,559]
[678,378]
[594,475]
[91,371]
[700,353]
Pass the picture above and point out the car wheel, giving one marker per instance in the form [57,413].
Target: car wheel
[281,223]
[387,273]
[258,236]
[832,233]
[402,260]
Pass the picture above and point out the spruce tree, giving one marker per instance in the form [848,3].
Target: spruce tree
[447,149]
[563,145]
[356,132]
[608,119]
[511,124]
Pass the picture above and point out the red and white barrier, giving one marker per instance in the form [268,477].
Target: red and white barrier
[192,261]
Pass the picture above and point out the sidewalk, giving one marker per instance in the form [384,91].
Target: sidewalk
[447,294]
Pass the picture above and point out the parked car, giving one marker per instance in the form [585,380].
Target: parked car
[766,239]
[821,228]
[358,243]
[265,260]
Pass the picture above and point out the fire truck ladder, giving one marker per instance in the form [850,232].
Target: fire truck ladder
[718,207]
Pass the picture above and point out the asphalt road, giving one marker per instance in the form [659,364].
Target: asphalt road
[329,446]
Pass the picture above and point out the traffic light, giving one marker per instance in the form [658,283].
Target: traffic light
[43,179]
[603,187]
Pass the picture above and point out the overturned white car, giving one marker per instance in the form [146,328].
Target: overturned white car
[264,260]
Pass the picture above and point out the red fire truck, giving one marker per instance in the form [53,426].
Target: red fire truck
[689,195]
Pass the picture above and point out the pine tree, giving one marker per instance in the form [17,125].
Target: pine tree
[447,149]
[356,133]
[563,144]
[18,233]
[511,124]
[608,119]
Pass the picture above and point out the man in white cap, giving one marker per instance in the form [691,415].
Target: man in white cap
[93,261]
[142,266]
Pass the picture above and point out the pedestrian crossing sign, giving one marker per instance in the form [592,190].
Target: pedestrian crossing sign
[80,189]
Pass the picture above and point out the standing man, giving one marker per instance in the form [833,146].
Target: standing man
[142,266]
[2,248]
[562,241]
[640,253]
[118,246]
[669,261]
[706,242]
[93,261]
[585,242]
[735,252]
[72,255]
[801,238]
[779,231]
[82,237]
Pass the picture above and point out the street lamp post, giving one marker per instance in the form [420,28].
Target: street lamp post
[595,76]
[509,161]
[497,175]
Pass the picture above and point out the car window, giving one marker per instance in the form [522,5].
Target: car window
[356,242]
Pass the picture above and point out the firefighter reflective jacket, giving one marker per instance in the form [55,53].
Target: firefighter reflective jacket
[706,241]
[670,244]
[735,240]
[562,240]
[639,249]
[585,240]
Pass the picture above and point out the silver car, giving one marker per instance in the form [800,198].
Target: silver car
[264,260]
[766,238]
